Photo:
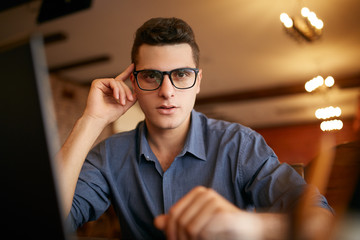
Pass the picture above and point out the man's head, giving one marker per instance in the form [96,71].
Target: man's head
[166,58]
[164,31]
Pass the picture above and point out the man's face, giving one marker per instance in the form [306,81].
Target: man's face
[166,107]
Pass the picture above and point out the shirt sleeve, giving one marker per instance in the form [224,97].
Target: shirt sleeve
[269,185]
[91,198]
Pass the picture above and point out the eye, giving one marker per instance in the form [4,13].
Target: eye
[150,75]
[182,73]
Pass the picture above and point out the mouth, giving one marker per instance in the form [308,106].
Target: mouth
[166,109]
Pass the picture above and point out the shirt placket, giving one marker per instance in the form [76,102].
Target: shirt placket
[167,186]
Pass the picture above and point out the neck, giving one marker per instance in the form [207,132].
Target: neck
[167,143]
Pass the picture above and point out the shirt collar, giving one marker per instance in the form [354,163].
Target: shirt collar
[194,144]
[144,147]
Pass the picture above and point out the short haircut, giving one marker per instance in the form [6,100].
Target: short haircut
[165,31]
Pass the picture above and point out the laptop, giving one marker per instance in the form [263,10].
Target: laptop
[30,203]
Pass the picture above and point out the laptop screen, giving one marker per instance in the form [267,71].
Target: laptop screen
[29,200]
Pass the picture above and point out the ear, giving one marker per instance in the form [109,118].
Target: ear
[132,79]
[198,81]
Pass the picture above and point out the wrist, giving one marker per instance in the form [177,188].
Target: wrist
[274,226]
[252,226]
[93,122]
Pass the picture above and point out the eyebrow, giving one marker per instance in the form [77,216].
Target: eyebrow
[163,71]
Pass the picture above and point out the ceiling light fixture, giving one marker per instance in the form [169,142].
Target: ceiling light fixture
[308,26]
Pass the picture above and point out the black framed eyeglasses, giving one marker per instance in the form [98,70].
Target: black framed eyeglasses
[180,78]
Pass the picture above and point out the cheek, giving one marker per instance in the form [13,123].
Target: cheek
[189,99]
[145,101]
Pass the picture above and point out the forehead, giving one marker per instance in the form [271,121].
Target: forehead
[165,57]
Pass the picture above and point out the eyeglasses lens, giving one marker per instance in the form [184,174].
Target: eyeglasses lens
[152,79]
[183,78]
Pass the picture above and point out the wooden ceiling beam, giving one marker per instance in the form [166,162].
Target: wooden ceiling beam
[80,63]
[54,38]
[270,92]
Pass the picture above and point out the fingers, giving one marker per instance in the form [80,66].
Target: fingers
[160,221]
[183,211]
[191,215]
[195,218]
[125,91]
[126,73]
[195,225]
[110,98]
[121,92]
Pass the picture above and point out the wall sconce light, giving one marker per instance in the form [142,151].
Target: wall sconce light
[319,81]
[308,27]
[331,125]
[329,113]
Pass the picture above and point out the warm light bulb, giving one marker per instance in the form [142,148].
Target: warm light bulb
[331,125]
[314,83]
[308,87]
[337,112]
[312,17]
[319,80]
[284,17]
[329,81]
[328,112]
[318,24]
[305,12]
[286,20]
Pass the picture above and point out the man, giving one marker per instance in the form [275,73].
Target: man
[178,174]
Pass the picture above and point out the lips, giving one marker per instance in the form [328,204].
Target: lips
[166,109]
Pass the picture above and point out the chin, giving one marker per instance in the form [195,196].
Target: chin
[164,124]
[167,125]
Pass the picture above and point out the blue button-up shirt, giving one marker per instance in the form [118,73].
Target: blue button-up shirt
[232,159]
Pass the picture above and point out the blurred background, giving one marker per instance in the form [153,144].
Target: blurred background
[255,65]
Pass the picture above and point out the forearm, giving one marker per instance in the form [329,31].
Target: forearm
[249,225]
[313,223]
[73,153]
[274,226]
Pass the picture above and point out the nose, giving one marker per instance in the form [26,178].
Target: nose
[166,89]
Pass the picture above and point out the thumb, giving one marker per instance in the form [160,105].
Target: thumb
[160,221]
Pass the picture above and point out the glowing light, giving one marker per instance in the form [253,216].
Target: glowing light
[318,24]
[286,20]
[305,12]
[309,26]
[312,17]
[331,125]
[314,83]
[329,81]
[317,82]
[328,112]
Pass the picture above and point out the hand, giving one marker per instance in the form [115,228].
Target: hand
[110,98]
[204,214]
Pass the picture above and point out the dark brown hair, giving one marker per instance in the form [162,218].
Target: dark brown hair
[165,31]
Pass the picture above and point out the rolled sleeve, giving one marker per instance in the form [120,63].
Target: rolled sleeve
[91,198]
